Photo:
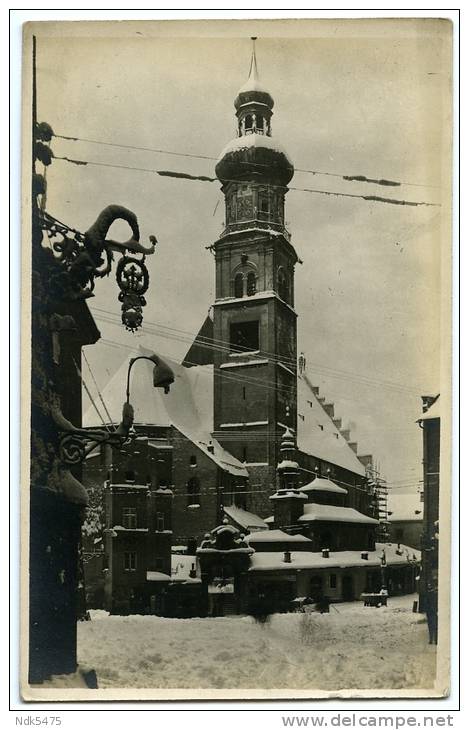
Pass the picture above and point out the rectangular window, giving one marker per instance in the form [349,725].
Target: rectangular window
[129,518]
[130,562]
[244,336]
[159,521]
[332,580]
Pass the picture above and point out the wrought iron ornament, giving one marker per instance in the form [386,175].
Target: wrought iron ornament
[83,257]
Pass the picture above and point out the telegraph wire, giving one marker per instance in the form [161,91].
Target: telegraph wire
[349,178]
[97,387]
[205,178]
[211,344]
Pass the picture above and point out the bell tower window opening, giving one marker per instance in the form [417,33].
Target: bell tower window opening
[244,203]
[244,336]
[251,286]
[248,123]
[239,286]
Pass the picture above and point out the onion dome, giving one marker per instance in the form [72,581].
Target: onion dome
[253,155]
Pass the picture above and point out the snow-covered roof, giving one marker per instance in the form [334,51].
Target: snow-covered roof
[317,434]
[329,513]
[156,576]
[323,485]
[287,494]
[248,141]
[274,536]
[188,406]
[305,560]
[246,520]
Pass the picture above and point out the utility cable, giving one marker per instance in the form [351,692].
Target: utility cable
[350,178]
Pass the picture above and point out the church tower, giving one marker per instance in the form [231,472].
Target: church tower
[254,315]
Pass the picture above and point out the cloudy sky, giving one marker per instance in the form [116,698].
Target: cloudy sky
[351,98]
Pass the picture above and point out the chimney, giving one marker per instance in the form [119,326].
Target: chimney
[287,556]
[210,447]
[364,556]
[325,552]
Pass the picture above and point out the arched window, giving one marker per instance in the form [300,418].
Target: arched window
[238,285]
[248,122]
[251,284]
[193,491]
[260,124]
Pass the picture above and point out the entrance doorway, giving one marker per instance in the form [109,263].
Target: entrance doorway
[348,593]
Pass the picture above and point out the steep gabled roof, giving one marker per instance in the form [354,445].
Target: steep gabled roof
[317,433]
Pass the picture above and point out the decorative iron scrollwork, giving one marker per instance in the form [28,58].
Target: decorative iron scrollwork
[85,257]
[133,280]
[76,443]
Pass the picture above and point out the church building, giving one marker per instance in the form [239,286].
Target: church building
[216,439]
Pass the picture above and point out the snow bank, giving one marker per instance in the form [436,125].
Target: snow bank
[351,647]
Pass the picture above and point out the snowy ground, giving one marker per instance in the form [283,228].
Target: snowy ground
[352,647]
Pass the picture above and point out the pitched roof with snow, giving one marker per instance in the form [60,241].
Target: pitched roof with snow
[317,433]
[274,536]
[245,520]
[322,485]
[328,513]
[304,560]
[188,406]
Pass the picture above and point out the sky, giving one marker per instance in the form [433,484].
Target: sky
[351,98]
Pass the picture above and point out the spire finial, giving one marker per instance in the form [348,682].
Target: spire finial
[253,69]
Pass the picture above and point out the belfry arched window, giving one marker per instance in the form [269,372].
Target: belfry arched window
[248,123]
[251,284]
[239,285]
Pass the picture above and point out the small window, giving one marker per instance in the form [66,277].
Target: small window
[130,476]
[130,562]
[193,491]
[129,518]
[333,580]
[244,336]
[238,286]
[159,521]
[244,392]
[193,460]
[251,284]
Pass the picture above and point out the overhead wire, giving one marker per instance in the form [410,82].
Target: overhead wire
[97,387]
[205,178]
[224,347]
[348,177]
